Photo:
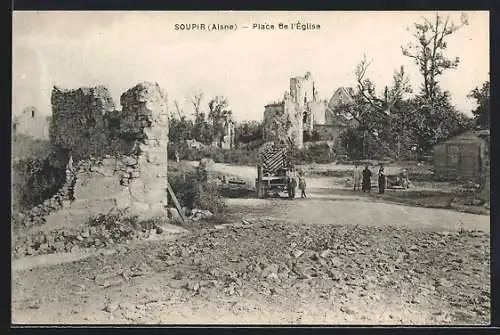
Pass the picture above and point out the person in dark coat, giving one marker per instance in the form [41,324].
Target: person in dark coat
[302,185]
[366,185]
[292,184]
[381,179]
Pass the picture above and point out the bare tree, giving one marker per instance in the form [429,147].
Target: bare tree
[179,110]
[428,51]
[365,86]
[195,99]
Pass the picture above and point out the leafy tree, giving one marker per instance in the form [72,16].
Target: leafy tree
[352,140]
[482,112]
[428,51]
[376,115]
[249,131]
[219,115]
[433,122]
[202,130]
[180,129]
[432,117]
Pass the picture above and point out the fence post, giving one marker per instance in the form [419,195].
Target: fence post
[259,186]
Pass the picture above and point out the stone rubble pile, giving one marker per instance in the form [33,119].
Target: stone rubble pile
[333,263]
[101,231]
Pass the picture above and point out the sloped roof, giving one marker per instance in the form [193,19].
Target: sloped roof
[337,119]
[341,96]
[275,104]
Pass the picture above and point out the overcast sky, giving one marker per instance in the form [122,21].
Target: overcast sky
[251,68]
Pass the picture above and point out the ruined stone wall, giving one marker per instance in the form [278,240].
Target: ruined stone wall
[302,89]
[297,110]
[133,142]
[329,132]
[318,110]
[295,114]
[78,120]
[282,122]
[144,119]
[228,140]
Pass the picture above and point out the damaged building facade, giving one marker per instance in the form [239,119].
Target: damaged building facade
[128,146]
[302,113]
[31,123]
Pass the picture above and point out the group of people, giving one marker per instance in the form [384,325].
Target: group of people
[363,178]
[293,183]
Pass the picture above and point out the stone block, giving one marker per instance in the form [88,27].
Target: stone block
[159,208]
[135,174]
[155,157]
[94,205]
[129,161]
[140,208]
[151,192]
[157,133]
[99,187]
[122,200]
[138,189]
[161,173]
[109,161]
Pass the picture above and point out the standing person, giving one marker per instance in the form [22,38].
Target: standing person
[177,156]
[292,183]
[302,185]
[367,179]
[357,177]
[381,179]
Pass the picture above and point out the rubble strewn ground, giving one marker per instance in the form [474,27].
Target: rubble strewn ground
[339,274]
[337,258]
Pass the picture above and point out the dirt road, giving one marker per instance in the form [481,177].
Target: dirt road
[331,202]
[336,258]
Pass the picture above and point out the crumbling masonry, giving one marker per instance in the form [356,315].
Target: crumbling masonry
[128,147]
[287,119]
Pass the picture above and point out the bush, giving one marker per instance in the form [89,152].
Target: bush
[219,155]
[33,181]
[316,153]
[193,190]
[209,198]
[26,147]
[240,157]
[33,178]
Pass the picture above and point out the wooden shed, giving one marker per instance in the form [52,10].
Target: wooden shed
[462,157]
